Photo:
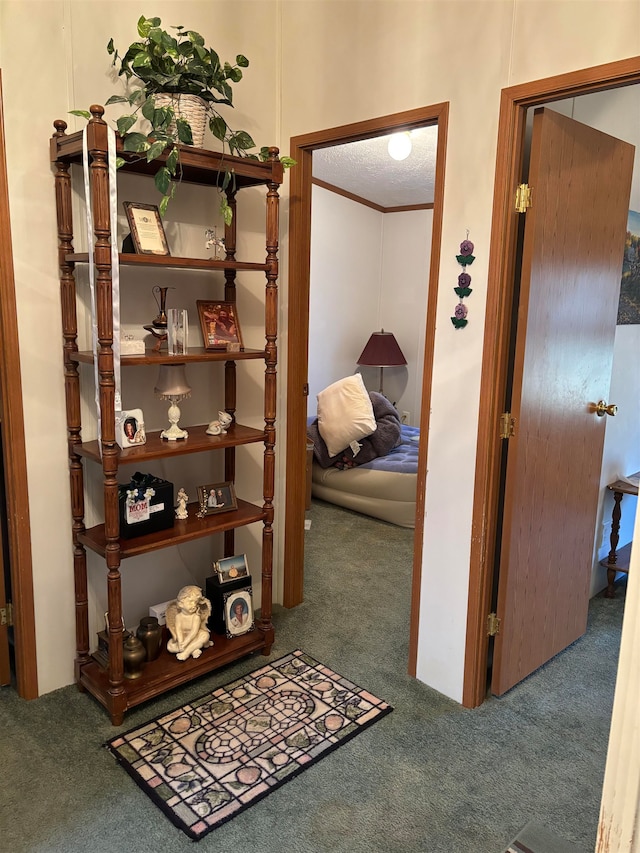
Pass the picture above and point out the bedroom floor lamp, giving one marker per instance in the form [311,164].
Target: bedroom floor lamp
[382,350]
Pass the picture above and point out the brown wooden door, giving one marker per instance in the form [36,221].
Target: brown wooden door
[5,663]
[570,282]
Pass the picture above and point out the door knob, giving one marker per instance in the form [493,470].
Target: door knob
[602,409]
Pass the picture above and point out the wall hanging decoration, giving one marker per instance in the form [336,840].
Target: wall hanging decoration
[465,259]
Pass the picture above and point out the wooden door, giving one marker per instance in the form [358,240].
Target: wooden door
[570,282]
[5,663]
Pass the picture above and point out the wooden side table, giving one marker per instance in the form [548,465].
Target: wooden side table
[618,561]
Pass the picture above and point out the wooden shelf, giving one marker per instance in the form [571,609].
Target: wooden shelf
[182,531]
[159,448]
[198,166]
[170,262]
[167,671]
[623,558]
[195,354]
[102,678]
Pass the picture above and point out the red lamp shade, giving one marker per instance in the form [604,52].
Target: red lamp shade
[382,350]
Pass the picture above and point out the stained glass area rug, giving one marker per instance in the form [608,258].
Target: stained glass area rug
[207,761]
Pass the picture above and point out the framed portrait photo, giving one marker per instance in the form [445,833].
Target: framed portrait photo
[238,612]
[216,497]
[130,430]
[232,568]
[147,230]
[220,325]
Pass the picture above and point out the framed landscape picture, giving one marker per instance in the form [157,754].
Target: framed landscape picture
[629,305]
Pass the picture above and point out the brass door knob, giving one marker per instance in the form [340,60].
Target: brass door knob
[602,409]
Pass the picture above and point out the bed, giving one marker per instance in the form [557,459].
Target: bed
[384,488]
[364,458]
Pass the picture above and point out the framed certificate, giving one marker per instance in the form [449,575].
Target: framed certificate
[147,231]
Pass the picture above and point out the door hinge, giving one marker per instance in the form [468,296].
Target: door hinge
[6,615]
[305,389]
[493,625]
[507,425]
[523,198]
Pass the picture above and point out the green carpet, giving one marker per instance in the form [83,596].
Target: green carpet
[211,759]
[432,777]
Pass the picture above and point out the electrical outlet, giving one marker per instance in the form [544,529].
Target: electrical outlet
[406,417]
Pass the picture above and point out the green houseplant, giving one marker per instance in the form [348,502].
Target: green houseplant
[166,71]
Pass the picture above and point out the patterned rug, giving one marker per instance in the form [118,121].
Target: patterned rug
[204,763]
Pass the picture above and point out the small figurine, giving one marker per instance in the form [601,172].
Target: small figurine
[181,509]
[187,619]
[219,427]
[214,242]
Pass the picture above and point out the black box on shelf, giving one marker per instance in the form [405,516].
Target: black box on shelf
[215,592]
[145,505]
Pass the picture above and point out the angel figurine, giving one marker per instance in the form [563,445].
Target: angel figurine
[187,619]
[181,509]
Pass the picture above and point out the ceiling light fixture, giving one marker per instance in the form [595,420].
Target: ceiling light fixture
[399,146]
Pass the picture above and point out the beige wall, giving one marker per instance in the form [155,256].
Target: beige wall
[314,65]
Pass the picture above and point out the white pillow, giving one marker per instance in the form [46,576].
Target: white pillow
[345,413]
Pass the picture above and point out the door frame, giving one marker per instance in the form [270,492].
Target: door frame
[301,150]
[514,103]
[15,456]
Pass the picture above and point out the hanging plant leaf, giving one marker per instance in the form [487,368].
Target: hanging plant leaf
[125,123]
[459,323]
[462,291]
[184,131]
[156,150]
[465,259]
[162,180]
[136,142]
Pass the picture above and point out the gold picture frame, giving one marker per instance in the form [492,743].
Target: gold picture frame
[220,325]
[216,497]
[147,230]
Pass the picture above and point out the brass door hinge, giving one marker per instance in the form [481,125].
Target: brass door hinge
[523,198]
[507,425]
[493,625]
[6,615]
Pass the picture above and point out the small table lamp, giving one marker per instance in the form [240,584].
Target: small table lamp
[382,351]
[172,385]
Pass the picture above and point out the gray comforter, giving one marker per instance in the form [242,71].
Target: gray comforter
[385,438]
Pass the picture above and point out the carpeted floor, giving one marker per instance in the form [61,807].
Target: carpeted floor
[432,777]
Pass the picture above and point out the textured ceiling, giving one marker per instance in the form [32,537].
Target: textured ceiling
[365,169]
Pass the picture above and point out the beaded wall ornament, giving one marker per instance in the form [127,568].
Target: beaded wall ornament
[465,258]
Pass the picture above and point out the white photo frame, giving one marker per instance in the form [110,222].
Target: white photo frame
[130,431]
[238,612]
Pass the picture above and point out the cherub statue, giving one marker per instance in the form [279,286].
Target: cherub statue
[219,427]
[187,619]
[181,509]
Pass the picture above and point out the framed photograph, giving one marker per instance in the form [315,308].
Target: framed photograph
[220,325]
[147,230]
[216,497]
[238,612]
[232,568]
[130,428]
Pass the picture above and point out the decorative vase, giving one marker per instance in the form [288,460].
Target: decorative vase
[134,655]
[189,107]
[150,635]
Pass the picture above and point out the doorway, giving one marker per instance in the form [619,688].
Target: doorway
[502,275]
[298,324]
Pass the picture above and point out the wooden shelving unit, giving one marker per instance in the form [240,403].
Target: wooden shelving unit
[199,166]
